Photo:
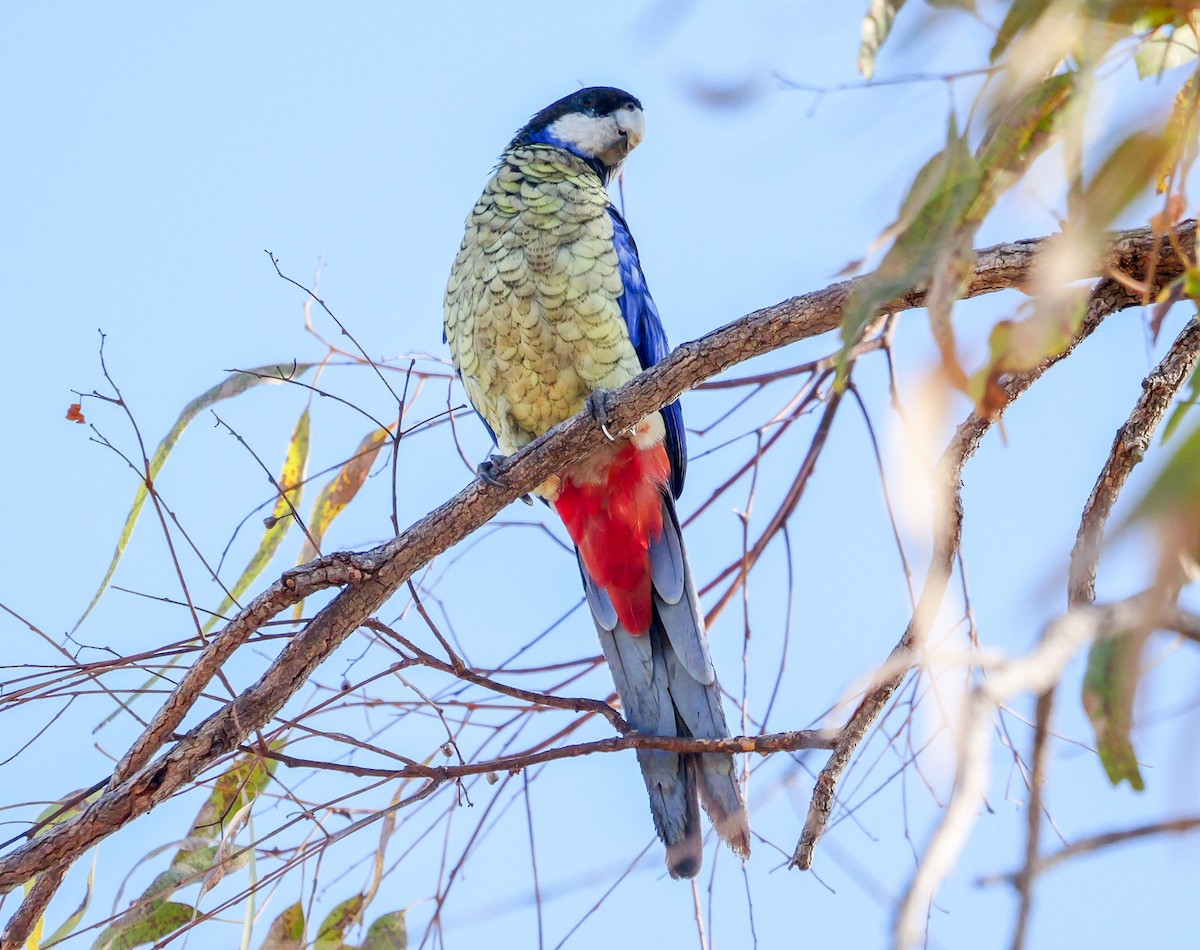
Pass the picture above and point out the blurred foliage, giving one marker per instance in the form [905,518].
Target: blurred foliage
[1044,64]
[1171,507]
[1046,61]
[1109,686]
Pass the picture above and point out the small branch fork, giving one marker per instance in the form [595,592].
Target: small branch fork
[367,579]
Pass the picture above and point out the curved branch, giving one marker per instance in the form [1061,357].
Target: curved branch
[1159,390]
[371,577]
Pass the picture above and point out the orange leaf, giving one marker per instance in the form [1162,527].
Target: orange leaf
[75,413]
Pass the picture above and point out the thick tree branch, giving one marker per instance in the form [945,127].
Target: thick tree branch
[371,577]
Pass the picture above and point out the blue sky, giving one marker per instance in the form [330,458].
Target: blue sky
[153,151]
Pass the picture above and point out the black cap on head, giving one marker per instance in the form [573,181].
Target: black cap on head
[593,100]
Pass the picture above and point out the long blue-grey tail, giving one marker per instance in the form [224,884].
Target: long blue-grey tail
[668,687]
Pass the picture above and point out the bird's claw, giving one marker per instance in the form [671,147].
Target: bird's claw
[597,405]
[486,470]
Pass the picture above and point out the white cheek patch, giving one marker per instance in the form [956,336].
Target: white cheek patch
[587,134]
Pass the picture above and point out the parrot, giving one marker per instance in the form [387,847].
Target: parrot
[546,309]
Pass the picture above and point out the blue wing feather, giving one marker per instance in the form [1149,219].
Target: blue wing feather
[648,338]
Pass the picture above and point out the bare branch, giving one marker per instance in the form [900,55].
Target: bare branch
[764,745]
[369,578]
[1159,390]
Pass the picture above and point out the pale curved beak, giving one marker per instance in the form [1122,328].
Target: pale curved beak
[631,123]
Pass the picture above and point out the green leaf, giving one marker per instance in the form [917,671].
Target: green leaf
[389,932]
[234,385]
[1019,130]
[287,930]
[145,925]
[1166,48]
[1015,346]
[1176,490]
[333,929]
[1171,506]
[1109,688]
[197,854]
[240,784]
[951,276]
[926,234]
[1018,345]
[876,26]
[291,481]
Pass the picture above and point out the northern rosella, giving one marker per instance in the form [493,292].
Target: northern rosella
[546,306]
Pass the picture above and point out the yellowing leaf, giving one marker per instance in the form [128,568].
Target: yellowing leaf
[332,933]
[341,489]
[1183,136]
[287,930]
[291,481]
[389,932]
[234,385]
